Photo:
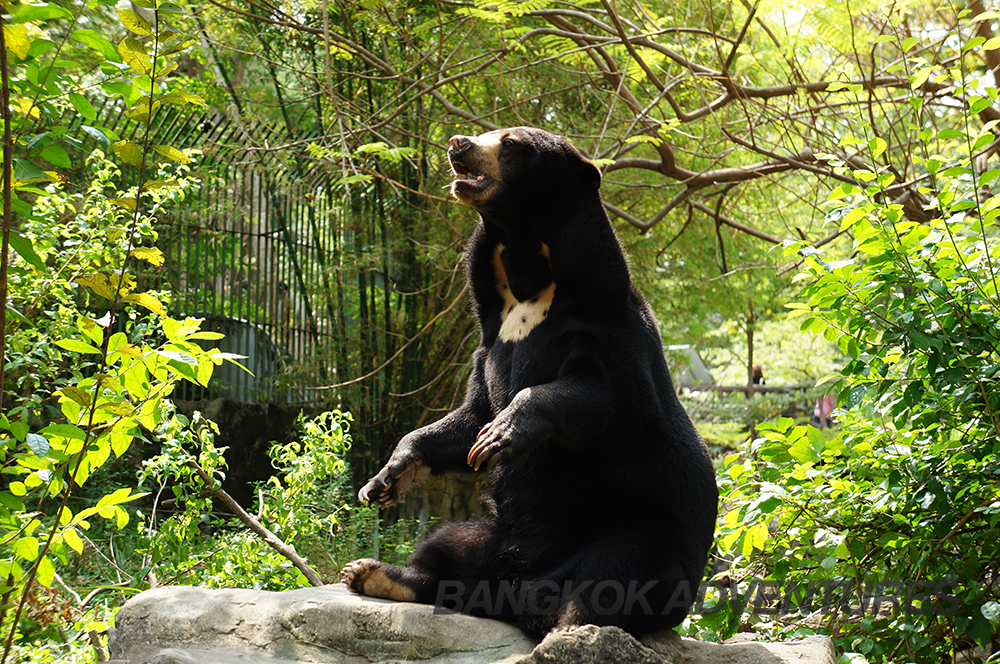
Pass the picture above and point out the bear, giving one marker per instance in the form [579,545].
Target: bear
[603,501]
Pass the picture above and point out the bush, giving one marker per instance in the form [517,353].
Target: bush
[308,504]
[905,500]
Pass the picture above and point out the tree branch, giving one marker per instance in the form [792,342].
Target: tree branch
[257,527]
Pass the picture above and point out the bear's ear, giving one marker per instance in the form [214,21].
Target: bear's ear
[590,174]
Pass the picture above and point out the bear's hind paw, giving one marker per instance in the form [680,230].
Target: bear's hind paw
[368,577]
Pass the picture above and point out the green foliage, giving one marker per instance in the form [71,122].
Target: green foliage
[306,504]
[91,356]
[907,493]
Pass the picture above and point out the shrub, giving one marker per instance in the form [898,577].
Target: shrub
[905,500]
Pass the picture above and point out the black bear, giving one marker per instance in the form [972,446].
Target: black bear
[603,499]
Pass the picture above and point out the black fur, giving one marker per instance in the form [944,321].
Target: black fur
[599,474]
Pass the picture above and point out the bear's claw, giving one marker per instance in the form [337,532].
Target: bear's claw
[488,444]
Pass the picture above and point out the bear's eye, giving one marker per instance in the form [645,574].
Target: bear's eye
[507,142]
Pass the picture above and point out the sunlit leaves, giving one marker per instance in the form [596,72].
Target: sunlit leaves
[134,22]
[92,39]
[134,54]
[916,311]
[171,153]
[151,255]
[147,301]
[128,152]
[18,42]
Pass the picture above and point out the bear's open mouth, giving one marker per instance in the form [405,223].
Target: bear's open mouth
[464,177]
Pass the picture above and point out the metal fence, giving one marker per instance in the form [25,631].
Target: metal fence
[249,250]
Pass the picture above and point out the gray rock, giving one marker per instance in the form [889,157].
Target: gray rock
[590,644]
[329,625]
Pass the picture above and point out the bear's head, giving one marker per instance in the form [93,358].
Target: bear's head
[509,168]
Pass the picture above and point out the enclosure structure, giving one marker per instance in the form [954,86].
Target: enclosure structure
[255,247]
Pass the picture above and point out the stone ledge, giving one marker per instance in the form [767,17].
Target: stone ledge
[330,625]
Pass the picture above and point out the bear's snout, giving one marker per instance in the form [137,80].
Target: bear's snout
[458,144]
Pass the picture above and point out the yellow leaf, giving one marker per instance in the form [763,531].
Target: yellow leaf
[99,283]
[105,286]
[132,350]
[128,152]
[134,22]
[147,301]
[180,97]
[76,394]
[27,107]
[128,203]
[152,185]
[116,408]
[149,254]
[171,153]
[135,55]
[142,111]
[17,40]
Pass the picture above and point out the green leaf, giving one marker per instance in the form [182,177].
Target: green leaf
[98,43]
[27,13]
[26,250]
[808,445]
[877,146]
[27,548]
[38,444]
[134,22]
[72,538]
[18,316]
[119,497]
[19,429]
[40,46]
[82,106]
[179,356]
[56,155]
[98,135]
[25,171]
[853,217]
[77,346]
[209,336]
[129,93]
[46,572]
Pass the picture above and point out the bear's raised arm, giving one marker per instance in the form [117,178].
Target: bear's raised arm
[571,411]
[439,447]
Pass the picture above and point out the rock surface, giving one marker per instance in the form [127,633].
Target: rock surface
[329,625]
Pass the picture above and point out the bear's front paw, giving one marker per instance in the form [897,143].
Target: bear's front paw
[392,482]
[493,444]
